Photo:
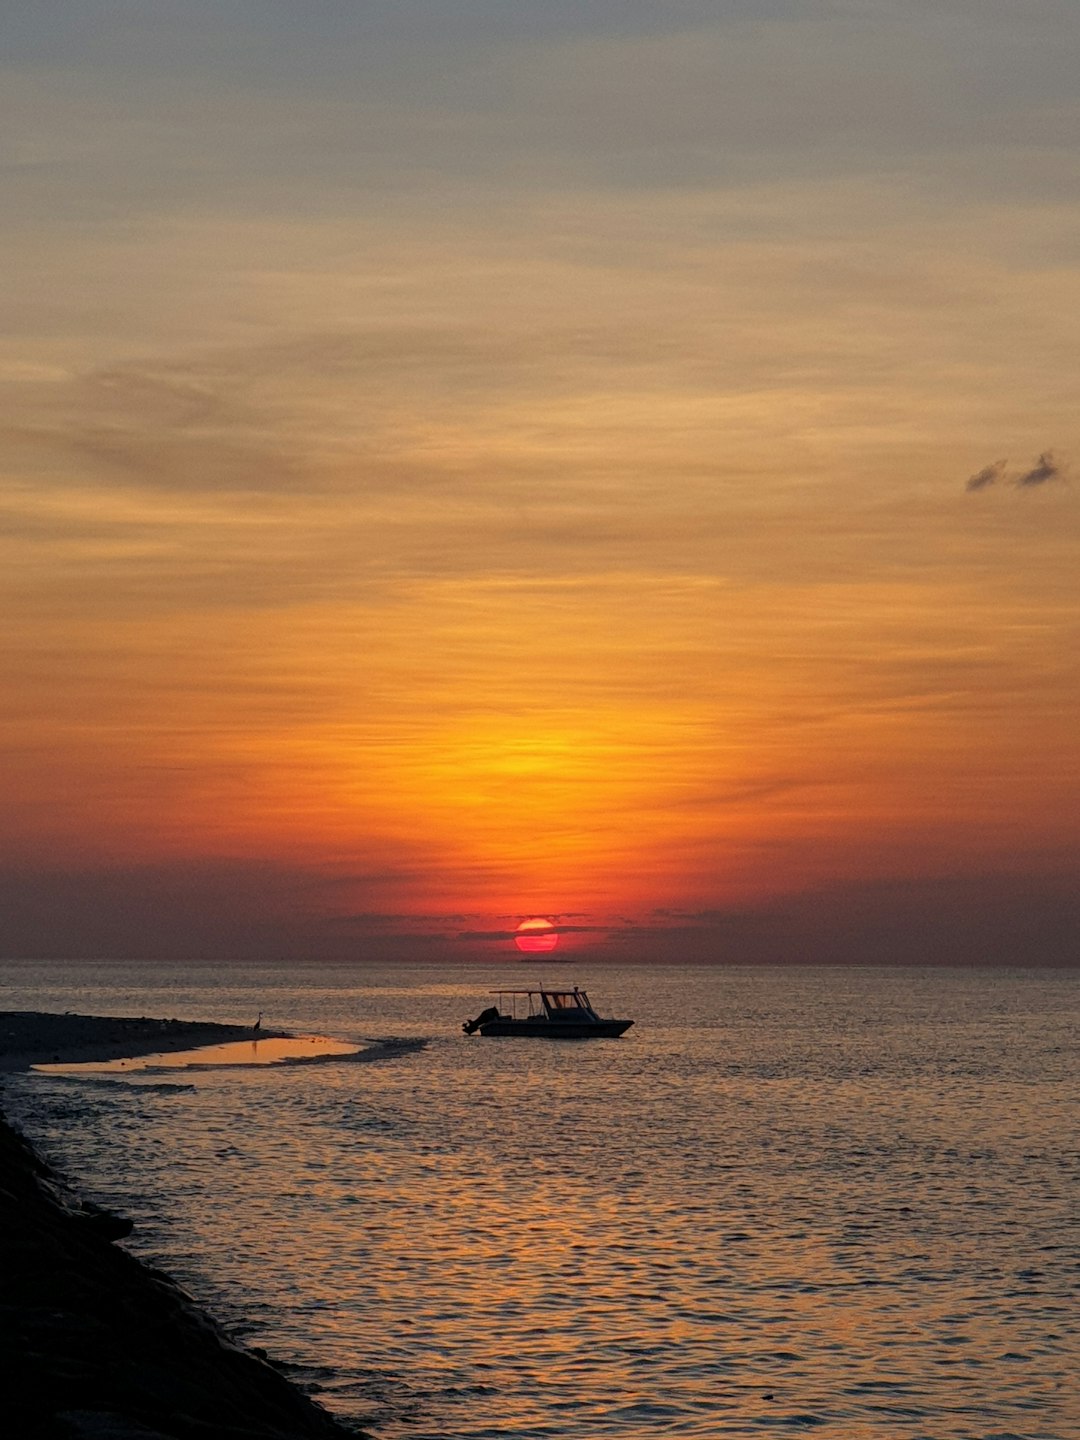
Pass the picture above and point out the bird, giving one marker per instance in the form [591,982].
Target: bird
[258,1022]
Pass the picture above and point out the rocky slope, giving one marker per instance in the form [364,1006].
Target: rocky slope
[98,1346]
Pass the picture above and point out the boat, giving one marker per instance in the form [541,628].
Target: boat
[551,1014]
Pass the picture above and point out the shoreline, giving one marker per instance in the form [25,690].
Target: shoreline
[38,1037]
[100,1345]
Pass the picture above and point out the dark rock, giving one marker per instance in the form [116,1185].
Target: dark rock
[100,1347]
[103,1222]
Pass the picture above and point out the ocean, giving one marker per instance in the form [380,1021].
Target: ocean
[832,1200]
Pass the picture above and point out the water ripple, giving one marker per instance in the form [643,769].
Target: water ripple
[789,1201]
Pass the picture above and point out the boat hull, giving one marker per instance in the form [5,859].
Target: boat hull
[543,1028]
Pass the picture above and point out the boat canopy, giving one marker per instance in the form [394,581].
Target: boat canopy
[566,1004]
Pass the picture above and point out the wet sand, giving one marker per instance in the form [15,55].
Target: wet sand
[30,1038]
[98,1345]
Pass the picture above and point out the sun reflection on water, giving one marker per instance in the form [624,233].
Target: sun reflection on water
[261,1050]
[781,1205]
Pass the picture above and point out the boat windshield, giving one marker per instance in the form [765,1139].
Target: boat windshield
[556,1000]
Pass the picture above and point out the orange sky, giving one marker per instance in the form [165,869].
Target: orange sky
[517,465]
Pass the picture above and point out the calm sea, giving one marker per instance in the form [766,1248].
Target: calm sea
[830,1200]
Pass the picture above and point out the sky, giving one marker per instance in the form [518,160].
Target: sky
[603,460]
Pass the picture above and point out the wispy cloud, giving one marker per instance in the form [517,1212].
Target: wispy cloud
[556,929]
[1046,468]
[988,475]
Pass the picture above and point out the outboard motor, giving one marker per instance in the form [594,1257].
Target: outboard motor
[471,1026]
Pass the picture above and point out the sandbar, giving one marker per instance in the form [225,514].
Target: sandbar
[29,1037]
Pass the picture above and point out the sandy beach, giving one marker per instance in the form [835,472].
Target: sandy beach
[32,1038]
[100,1346]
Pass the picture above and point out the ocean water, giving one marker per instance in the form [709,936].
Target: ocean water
[839,1201]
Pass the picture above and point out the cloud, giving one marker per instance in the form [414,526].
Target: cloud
[992,918]
[988,475]
[1045,468]
[557,928]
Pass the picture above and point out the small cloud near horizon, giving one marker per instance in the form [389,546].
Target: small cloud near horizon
[557,928]
[1046,468]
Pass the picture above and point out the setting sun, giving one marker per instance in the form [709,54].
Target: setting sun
[536,936]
